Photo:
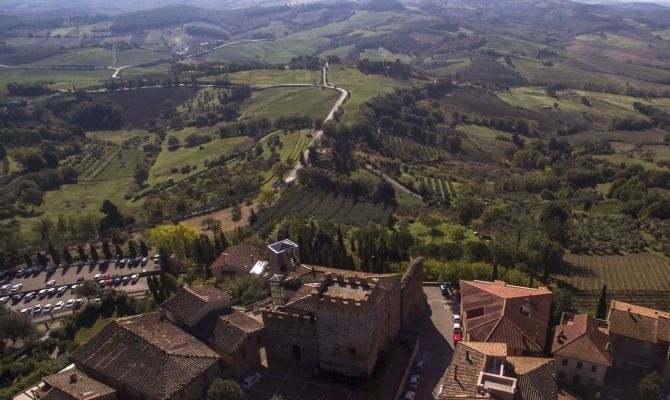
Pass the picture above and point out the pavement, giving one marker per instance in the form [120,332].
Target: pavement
[435,331]
[69,276]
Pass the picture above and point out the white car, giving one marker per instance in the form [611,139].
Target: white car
[42,293]
[79,300]
[37,309]
[51,291]
[47,308]
[70,303]
[62,290]
[134,278]
[4,288]
[250,380]
[97,277]
[25,311]
[4,299]
[29,297]
[59,305]
[456,319]
[17,287]
[51,283]
[414,381]
[410,395]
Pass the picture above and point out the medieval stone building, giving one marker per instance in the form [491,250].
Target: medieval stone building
[339,320]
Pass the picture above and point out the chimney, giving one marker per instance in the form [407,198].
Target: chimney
[251,259]
[73,379]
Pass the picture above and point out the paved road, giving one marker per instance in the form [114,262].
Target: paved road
[435,329]
[316,139]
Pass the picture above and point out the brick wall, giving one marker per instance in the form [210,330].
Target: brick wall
[413,298]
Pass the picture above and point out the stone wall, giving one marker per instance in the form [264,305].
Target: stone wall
[287,334]
[413,298]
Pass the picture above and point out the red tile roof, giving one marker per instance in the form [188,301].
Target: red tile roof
[76,385]
[496,312]
[639,322]
[226,332]
[239,258]
[582,339]
[146,353]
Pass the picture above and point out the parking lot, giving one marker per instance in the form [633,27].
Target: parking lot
[59,285]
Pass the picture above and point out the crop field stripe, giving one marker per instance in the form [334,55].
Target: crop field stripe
[444,189]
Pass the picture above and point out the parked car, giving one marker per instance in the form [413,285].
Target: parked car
[51,291]
[4,288]
[414,381]
[250,380]
[419,365]
[97,277]
[61,290]
[457,336]
[125,279]
[70,303]
[134,278]
[51,283]
[42,293]
[47,308]
[445,290]
[456,318]
[117,281]
[4,299]
[17,297]
[29,296]
[78,300]
[59,305]
[410,395]
[17,287]
[25,311]
[50,268]
[37,309]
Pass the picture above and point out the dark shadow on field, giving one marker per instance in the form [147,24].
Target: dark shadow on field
[570,270]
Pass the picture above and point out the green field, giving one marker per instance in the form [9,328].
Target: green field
[628,160]
[422,232]
[58,79]
[381,54]
[363,20]
[275,76]
[361,87]
[610,39]
[121,166]
[664,34]
[95,56]
[169,160]
[277,102]
[276,51]
[118,137]
[139,56]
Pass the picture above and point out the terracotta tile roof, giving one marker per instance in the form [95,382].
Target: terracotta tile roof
[76,385]
[463,372]
[501,289]
[150,355]
[496,312]
[226,332]
[303,300]
[55,394]
[239,258]
[638,322]
[536,378]
[190,300]
[582,339]
[489,349]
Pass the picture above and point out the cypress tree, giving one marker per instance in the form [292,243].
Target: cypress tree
[55,258]
[132,251]
[67,257]
[118,250]
[82,253]
[601,311]
[94,252]
[144,250]
[106,250]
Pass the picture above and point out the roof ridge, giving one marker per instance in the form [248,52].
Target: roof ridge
[494,328]
[521,331]
[570,341]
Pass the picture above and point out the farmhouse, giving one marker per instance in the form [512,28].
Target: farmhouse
[582,350]
[245,259]
[338,320]
[640,338]
[481,370]
[175,353]
[499,313]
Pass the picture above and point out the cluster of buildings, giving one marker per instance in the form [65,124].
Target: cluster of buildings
[506,337]
[331,320]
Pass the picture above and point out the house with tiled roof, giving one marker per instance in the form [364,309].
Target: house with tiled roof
[500,313]
[72,384]
[640,339]
[239,260]
[485,370]
[582,350]
[148,357]
[190,304]
[338,320]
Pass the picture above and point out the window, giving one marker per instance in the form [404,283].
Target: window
[524,311]
[561,375]
[579,365]
[565,362]
[594,368]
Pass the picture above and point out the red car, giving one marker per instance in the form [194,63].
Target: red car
[457,338]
